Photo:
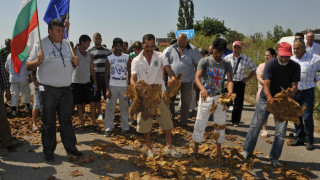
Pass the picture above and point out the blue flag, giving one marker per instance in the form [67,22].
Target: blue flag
[57,9]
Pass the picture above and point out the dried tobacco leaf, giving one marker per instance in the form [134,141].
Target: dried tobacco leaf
[76,173]
[172,88]
[284,108]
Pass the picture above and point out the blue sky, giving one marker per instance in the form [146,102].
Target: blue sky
[131,19]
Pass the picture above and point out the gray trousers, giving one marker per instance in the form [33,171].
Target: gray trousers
[57,100]
[117,93]
[186,96]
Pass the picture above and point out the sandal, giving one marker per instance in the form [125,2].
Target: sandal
[264,133]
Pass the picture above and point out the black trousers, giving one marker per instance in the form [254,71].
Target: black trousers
[57,100]
[239,88]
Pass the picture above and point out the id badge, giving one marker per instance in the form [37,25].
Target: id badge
[41,88]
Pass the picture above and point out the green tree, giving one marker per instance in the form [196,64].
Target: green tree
[185,14]
[210,26]
[233,35]
[171,35]
[278,33]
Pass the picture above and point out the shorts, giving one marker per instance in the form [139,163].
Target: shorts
[164,120]
[101,83]
[36,101]
[82,93]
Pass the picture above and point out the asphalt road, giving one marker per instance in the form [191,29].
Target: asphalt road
[28,162]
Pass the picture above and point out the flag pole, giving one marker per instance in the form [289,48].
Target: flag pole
[71,48]
[39,29]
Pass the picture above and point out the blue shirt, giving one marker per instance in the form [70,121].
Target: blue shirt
[13,76]
[184,63]
[310,65]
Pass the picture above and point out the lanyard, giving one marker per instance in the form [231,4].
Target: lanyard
[59,52]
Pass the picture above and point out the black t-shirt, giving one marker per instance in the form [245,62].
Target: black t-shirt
[280,76]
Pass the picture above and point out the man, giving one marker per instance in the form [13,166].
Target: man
[210,80]
[210,49]
[147,67]
[99,56]
[82,89]
[117,66]
[299,36]
[310,65]
[183,58]
[5,132]
[312,47]
[54,64]
[239,63]
[125,48]
[19,83]
[4,52]
[278,73]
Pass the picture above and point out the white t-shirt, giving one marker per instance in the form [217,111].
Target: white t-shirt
[118,70]
[53,71]
[151,74]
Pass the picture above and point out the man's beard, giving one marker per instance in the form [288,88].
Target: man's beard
[282,63]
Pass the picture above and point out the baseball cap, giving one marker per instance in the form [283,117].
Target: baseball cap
[284,49]
[239,43]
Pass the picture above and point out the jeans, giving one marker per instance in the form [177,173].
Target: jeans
[57,100]
[259,117]
[305,130]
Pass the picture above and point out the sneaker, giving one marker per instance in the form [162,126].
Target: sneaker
[126,133]
[149,153]
[245,155]
[173,152]
[230,108]
[108,133]
[100,117]
[296,143]
[275,163]
[75,152]
[310,146]
[35,128]
[131,122]
[27,109]
[14,113]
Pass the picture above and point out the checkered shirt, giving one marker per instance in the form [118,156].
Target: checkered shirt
[4,79]
[245,62]
[310,65]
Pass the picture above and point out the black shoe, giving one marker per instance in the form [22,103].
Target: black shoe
[296,143]
[107,133]
[12,148]
[49,157]
[310,146]
[75,153]
[126,133]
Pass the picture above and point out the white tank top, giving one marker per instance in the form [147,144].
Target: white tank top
[118,70]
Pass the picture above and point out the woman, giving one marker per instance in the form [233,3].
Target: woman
[268,55]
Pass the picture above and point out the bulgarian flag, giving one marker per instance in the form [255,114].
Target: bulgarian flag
[24,33]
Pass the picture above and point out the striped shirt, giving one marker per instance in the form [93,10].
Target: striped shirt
[310,65]
[245,62]
[99,57]
[4,80]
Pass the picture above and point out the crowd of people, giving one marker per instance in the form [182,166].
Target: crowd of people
[64,77]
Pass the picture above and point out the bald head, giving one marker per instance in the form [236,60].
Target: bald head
[182,41]
[299,48]
[310,38]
